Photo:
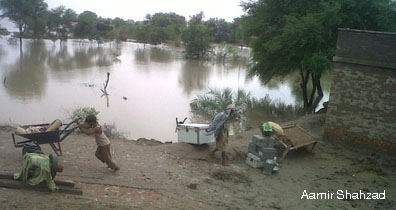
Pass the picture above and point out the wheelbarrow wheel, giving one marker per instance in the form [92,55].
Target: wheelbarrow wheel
[24,151]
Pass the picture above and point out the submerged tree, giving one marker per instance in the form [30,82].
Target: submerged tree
[60,23]
[86,25]
[24,13]
[196,38]
[104,30]
[219,30]
[301,35]
[160,28]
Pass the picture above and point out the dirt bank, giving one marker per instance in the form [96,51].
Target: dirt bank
[183,176]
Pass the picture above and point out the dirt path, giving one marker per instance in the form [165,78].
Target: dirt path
[183,176]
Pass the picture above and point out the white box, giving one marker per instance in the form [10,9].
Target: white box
[254,161]
[194,134]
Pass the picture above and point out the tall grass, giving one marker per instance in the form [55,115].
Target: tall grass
[268,109]
[248,108]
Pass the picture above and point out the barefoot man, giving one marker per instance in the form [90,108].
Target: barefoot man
[220,131]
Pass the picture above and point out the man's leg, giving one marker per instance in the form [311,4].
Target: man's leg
[108,159]
[99,155]
[224,158]
[212,153]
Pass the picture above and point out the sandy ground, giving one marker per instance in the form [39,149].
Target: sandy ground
[183,176]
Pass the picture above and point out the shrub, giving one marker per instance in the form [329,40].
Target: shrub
[83,112]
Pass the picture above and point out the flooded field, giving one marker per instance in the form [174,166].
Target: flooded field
[149,86]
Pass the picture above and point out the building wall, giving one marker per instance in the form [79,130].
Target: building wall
[362,104]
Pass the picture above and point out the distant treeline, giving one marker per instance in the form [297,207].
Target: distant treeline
[35,20]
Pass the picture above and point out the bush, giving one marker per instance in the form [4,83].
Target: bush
[83,112]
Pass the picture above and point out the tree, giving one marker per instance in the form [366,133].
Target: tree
[160,28]
[24,13]
[86,25]
[121,28]
[168,26]
[141,32]
[219,30]
[104,29]
[60,23]
[238,35]
[301,35]
[196,38]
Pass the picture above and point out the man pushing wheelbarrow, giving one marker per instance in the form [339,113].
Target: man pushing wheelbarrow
[103,153]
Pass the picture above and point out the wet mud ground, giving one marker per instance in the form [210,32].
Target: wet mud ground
[184,176]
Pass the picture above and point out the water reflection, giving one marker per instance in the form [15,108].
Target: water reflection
[59,59]
[194,75]
[62,60]
[160,55]
[27,77]
[142,56]
[3,53]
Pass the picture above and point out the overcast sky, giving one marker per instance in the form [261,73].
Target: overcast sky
[137,9]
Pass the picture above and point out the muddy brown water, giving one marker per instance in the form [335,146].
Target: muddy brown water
[149,86]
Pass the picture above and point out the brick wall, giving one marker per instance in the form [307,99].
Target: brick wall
[362,104]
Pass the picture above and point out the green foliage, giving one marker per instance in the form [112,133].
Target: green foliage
[208,105]
[247,108]
[301,35]
[219,30]
[141,33]
[26,14]
[35,21]
[266,108]
[104,29]
[86,25]
[160,28]
[287,36]
[60,23]
[83,112]
[238,32]
[226,51]
[196,38]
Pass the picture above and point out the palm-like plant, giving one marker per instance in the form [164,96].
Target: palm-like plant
[216,100]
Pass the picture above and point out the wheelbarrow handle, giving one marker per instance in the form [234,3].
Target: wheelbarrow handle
[67,133]
[68,125]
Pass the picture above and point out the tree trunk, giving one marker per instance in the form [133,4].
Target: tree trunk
[311,98]
[320,92]
[304,82]
[20,37]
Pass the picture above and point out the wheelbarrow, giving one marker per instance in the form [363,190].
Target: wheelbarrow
[53,138]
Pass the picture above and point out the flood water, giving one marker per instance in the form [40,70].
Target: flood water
[48,81]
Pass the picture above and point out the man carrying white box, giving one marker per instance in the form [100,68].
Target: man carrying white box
[220,131]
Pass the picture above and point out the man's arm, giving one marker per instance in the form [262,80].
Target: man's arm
[84,129]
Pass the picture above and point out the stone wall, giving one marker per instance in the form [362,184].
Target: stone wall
[362,104]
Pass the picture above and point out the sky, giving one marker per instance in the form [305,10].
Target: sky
[137,9]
